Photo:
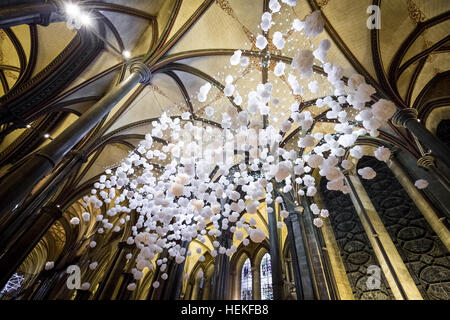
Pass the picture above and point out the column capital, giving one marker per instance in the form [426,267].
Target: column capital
[402,116]
[143,70]
[427,161]
[394,150]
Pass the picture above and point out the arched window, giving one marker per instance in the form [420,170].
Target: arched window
[246,281]
[266,278]
[13,284]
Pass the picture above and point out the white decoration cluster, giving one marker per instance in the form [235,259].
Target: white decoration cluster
[183,203]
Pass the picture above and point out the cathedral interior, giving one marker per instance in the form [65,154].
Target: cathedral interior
[97,204]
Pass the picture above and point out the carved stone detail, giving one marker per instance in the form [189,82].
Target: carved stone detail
[427,161]
[420,248]
[143,70]
[354,245]
[28,100]
[403,115]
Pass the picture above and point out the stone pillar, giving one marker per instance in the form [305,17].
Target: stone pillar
[17,185]
[422,204]
[275,256]
[195,289]
[29,12]
[13,226]
[123,293]
[207,286]
[428,162]
[316,257]
[111,278]
[256,283]
[13,258]
[343,289]
[219,283]
[173,285]
[220,280]
[48,280]
[407,118]
[396,272]
[301,266]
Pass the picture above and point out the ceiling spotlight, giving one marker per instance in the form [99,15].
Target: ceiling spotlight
[72,10]
[126,54]
[28,126]
[85,19]
[46,136]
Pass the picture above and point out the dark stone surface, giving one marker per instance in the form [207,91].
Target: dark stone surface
[443,132]
[356,250]
[424,254]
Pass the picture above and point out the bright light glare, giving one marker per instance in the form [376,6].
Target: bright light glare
[85,19]
[72,10]
[126,54]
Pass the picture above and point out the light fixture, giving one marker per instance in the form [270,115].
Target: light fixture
[126,54]
[76,18]
[46,136]
[85,19]
[28,126]
[72,9]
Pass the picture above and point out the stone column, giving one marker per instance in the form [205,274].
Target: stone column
[235,281]
[207,286]
[124,293]
[301,266]
[17,185]
[220,279]
[256,283]
[173,284]
[219,283]
[195,289]
[29,12]
[48,280]
[428,162]
[275,256]
[111,278]
[13,226]
[396,272]
[317,261]
[337,268]
[13,258]
[407,118]
[422,204]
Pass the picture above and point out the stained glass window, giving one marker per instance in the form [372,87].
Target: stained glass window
[14,283]
[266,278]
[246,281]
